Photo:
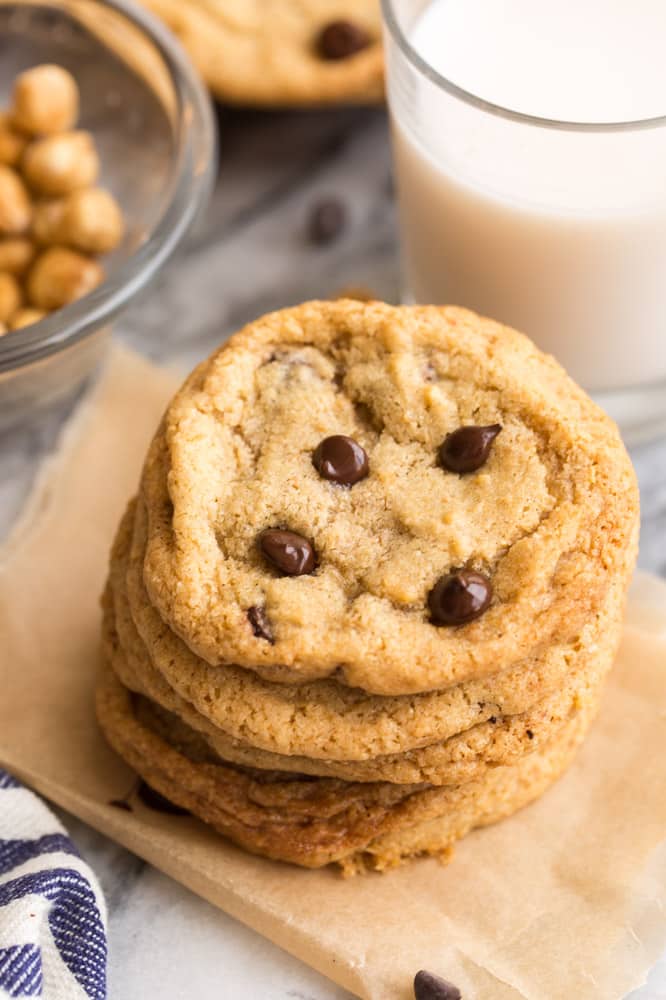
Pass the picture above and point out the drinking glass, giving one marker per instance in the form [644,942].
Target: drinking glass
[555,228]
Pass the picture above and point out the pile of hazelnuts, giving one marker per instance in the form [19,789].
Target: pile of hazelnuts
[54,221]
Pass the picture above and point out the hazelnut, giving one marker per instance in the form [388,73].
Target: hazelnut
[25,317]
[91,221]
[10,296]
[12,143]
[46,221]
[45,100]
[15,208]
[60,276]
[61,163]
[16,255]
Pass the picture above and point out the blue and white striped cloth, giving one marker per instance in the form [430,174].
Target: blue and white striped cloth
[52,914]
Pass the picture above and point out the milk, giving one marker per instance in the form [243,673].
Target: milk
[558,232]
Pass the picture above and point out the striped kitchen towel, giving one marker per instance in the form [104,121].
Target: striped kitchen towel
[52,914]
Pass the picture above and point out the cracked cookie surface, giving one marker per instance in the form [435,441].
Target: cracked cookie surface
[549,518]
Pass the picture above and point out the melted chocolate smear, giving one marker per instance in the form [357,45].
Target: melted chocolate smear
[260,622]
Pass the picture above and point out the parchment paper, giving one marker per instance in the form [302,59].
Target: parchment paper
[565,900]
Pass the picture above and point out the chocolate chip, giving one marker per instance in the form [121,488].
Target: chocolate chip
[341,459]
[292,554]
[429,987]
[467,449]
[120,804]
[342,39]
[260,623]
[530,734]
[327,221]
[459,597]
[155,800]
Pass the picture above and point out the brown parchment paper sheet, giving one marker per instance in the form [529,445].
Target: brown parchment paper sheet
[566,899]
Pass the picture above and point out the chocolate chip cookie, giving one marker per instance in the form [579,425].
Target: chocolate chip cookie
[282,52]
[413,576]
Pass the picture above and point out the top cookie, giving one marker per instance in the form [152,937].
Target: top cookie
[533,518]
[282,52]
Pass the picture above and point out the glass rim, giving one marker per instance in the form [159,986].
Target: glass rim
[194,161]
[410,53]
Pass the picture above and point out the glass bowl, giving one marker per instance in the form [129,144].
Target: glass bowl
[153,124]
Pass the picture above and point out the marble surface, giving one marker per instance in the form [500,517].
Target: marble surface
[250,254]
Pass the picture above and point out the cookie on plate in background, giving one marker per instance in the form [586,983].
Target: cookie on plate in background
[282,52]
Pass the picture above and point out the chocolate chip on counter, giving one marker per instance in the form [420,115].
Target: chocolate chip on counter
[459,597]
[327,221]
[260,623]
[155,800]
[342,39]
[467,449]
[341,460]
[292,554]
[429,987]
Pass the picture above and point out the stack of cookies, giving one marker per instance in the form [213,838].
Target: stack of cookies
[371,586]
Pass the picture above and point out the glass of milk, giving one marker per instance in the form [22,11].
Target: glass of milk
[530,153]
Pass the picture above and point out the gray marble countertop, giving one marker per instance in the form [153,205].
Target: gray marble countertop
[248,255]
